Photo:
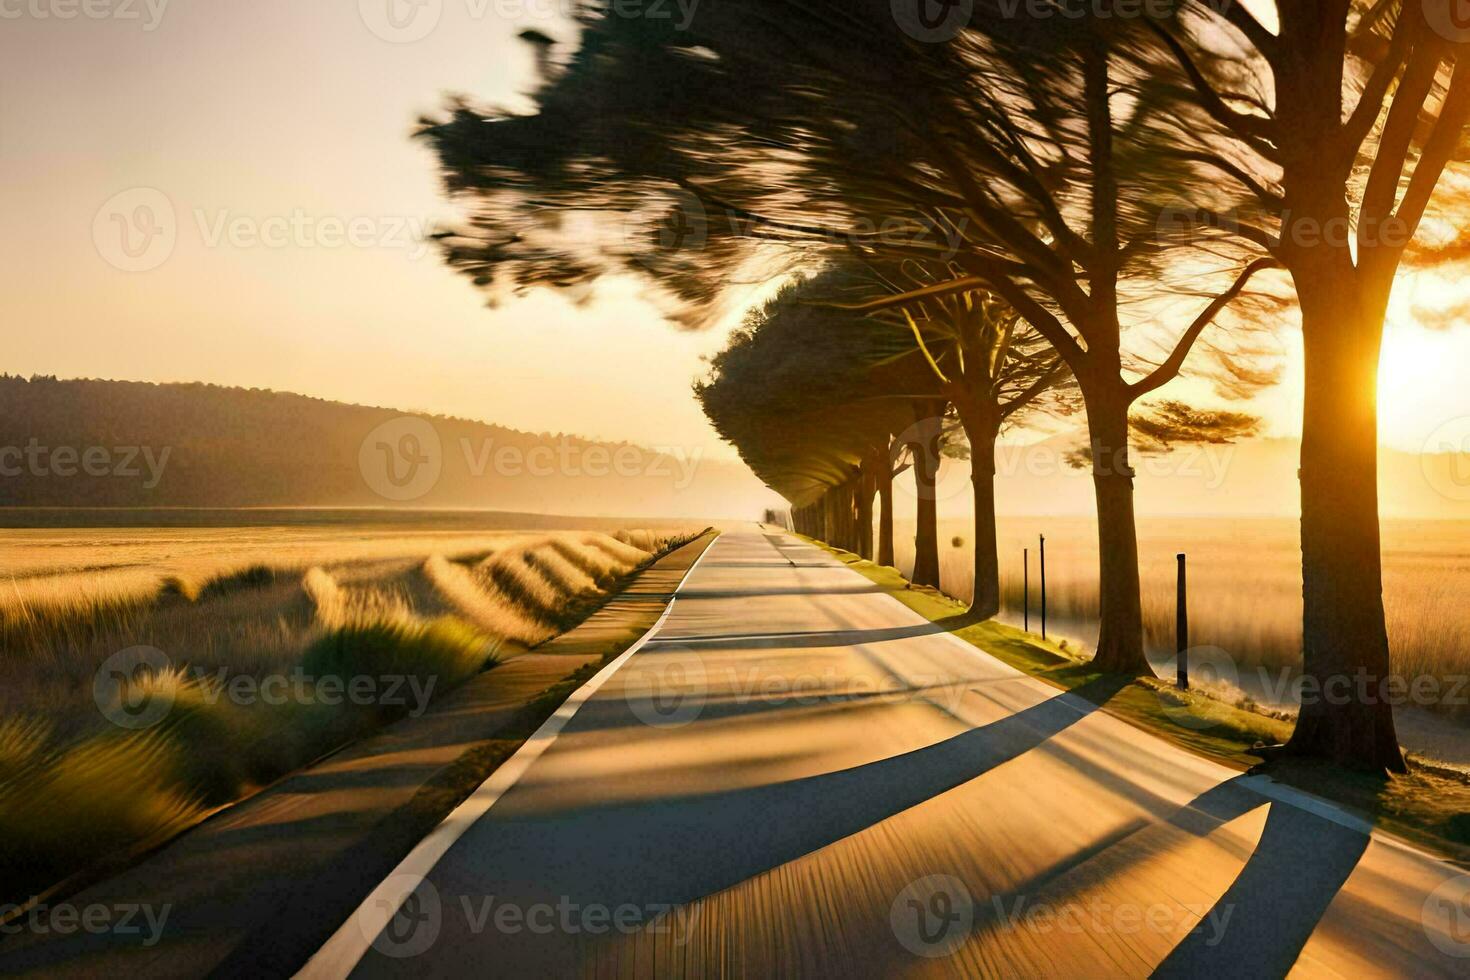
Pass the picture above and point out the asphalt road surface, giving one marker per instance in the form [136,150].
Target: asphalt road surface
[796,775]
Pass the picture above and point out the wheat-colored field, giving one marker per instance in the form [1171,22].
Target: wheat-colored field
[1244,586]
[252,634]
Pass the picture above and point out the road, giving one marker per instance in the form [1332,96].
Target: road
[798,775]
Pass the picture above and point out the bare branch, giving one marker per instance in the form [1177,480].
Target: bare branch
[1170,369]
[1255,130]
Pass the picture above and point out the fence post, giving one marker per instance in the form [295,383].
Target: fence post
[1026,587]
[1043,586]
[1181,629]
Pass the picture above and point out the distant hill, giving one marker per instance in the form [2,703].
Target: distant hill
[73,443]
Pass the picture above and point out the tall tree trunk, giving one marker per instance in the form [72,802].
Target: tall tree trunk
[985,604]
[885,507]
[1120,625]
[929,431]
[832,529]
[1345,640]
[867,486]
[982,426]
[849,515]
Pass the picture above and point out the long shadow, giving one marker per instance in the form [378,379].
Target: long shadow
[675,850]
[1298,867]
[798,640]
[756,593]
[748,701]
[1260,925]
[791,563]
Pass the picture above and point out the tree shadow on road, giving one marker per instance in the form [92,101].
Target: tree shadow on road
[1297,869]
[675,850]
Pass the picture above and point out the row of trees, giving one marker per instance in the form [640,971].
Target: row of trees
[1057,194]
[828,408]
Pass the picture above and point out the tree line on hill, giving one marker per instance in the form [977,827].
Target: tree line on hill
[94,443]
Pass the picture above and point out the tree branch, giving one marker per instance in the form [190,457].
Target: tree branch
[1267,197]
[1370,103]
[1170,369]
[1254,130]
[1398,136]
[1043,384]
[1438,150]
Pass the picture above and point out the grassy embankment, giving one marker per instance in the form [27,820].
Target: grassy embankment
[78,789]
[1430,806]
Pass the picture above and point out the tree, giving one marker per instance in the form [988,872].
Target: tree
[993,369]
[1338,125]
[811,397]
[1027,154]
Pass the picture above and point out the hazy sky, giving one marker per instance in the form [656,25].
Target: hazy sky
[288,120]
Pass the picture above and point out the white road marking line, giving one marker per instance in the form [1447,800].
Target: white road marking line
[341,954]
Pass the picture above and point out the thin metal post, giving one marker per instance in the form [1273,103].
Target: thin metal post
[1043,586]
[1181,630]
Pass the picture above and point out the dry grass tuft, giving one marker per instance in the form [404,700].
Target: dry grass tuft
[75,790]
[480,603]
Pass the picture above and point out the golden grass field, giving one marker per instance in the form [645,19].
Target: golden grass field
[1244,586]
[231,611]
